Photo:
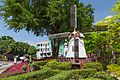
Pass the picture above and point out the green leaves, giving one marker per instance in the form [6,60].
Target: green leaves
[45,17]
[31,50]
[112,25]
[16,13]
[8,45]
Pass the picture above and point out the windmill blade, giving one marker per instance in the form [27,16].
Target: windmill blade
[59,35]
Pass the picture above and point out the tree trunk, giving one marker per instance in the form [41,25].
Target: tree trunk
[55,47]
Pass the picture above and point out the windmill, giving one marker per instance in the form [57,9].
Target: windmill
[75,46]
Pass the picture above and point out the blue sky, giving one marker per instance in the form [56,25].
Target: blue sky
[102,10]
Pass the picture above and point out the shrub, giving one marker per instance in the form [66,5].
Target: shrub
[118,61]
[73,74]
[91,78]
[103,76]
[114,69]
[59,65]
[42,63]
[35,67]
[85,73]
[93,65]
[36,75]
[64,75]
[24,68]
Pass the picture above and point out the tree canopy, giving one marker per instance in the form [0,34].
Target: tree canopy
[9,45]
[113,27]
[45,16]
[106,39]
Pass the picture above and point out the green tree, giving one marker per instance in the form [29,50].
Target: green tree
[46,17]
[31,50]
[112,25]
[107,38]
[7,44]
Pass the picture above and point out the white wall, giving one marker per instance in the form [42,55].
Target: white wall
[82,52]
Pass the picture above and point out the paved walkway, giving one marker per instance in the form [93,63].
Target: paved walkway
[6,65]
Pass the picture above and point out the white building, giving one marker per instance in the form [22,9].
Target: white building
[44,50]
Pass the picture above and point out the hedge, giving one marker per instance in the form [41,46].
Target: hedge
[118,60]
[36,75]
[103,76]
[34,67]
[85,73]
[93,65]
[42,63]
[65,75]
[59,65]
[73,74]
[114,69]
[38,65]
[91,78]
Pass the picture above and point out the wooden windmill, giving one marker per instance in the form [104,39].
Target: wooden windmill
[75,47]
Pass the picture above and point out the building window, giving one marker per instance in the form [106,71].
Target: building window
[48,54]
[48,49]
[38,44]
[41,54]
[45,45]
[38,50]
[41,44]
[42,49]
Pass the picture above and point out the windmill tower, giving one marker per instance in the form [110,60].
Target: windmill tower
[76,48]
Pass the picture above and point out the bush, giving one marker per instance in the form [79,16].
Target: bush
[86,73]
[93,65]
[64,75]
[118,61]
[103,76]
[36,75]
[59,65]
[73,74]
[35,67]
[42,63]
[114,69]
[90,79]
[24,67]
